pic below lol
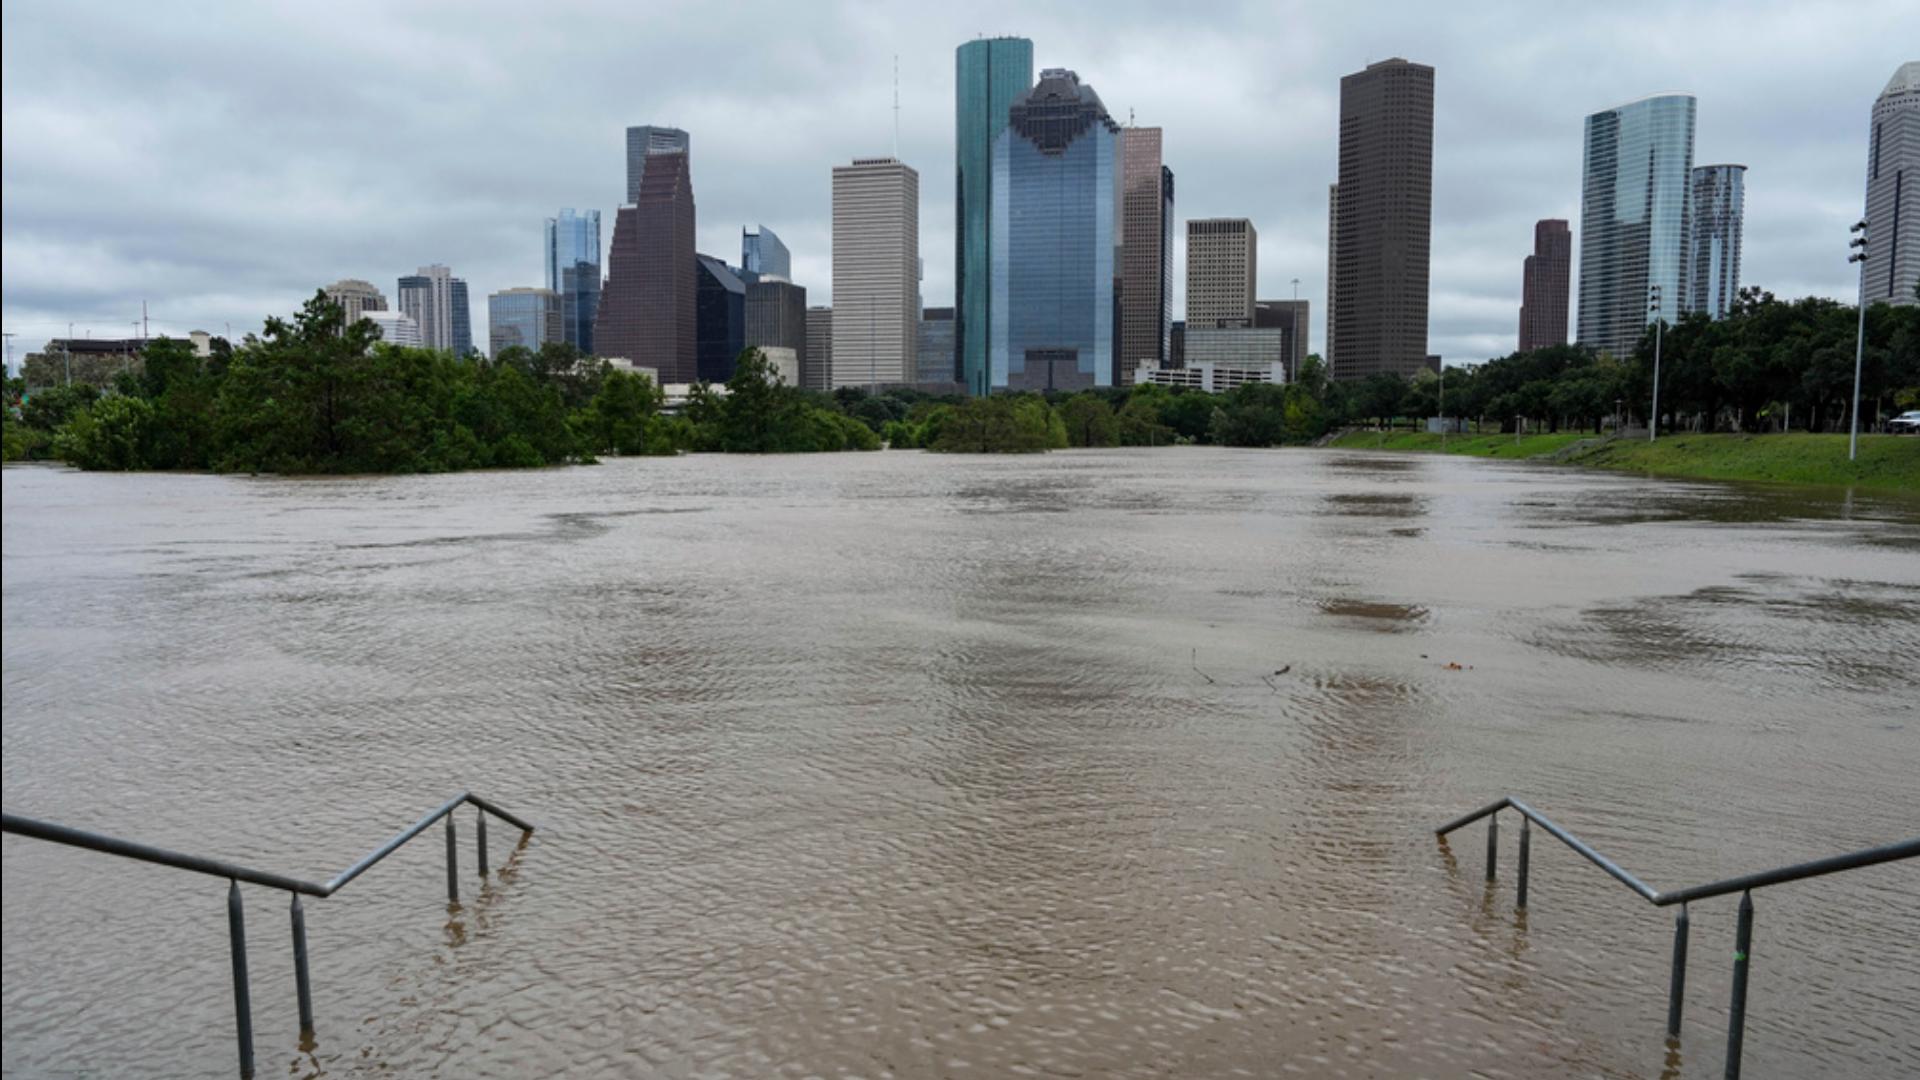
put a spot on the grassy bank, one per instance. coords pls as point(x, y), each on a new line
point(1887, 462)
point(1500, 446)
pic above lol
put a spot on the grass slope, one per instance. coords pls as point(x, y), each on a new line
point(1887, 462)
point(1500, 446)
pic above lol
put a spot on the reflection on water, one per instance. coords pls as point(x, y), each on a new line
point(1098, 763)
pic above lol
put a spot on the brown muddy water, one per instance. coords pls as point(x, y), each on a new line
point(874, 765)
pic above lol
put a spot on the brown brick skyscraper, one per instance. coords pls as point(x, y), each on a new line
point(1146, 251)
point(1384, 225)
point(1547, 281)
point(647, 309)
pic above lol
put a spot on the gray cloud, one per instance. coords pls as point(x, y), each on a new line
point(222, 161)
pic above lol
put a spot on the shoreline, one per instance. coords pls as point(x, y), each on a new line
point(1888, 463)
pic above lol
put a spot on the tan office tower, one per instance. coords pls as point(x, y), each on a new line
point(1146, 251)
point(1384, 221)
point(355, 297)
point(1333, 259)
point(876, 272)
point(1221, 269)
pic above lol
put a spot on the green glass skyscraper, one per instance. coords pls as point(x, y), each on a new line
point(989, 73)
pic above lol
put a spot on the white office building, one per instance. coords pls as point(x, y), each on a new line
point(876, 273)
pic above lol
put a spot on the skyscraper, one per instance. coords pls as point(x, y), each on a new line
point(437, 301)
point(355, 297)
point(989, 73)
point(1385, 220)
point(1222, 267)
point(1333, 261)
point(414, 296)
point(1893, 192)
point(935, 346)
point(1146, 250)
point(1545, 282)
point(816, 366)
point(876, 272)
point(1634, 220)
point(647, 307)
point(461, 318)
point(777, 318)
point(1056, 220)
point(763, 255)
point(528, 318)
point(1293, 318)
point(720, 319)
point(1713, 262)
point(573, 272)
point(643, 142)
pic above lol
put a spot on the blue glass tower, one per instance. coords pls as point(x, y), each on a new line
point(720, 319)
point(1635, 219)
point(989, 73)
point(1056, 199)
point(763, 255)
point(1719, 213)
point(573, 271)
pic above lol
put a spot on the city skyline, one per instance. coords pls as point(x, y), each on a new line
point(85, 244)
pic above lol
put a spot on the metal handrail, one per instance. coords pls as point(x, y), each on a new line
point(129, 849)
point(1744, 885)
point(235, 873)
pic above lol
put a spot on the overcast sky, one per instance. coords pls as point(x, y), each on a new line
point(222, 160)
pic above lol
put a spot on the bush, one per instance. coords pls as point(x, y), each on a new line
point(112, 434)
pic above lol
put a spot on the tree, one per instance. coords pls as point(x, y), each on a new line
point(623, 417)
point(759, 414)
point(284, 401)
point(1189, 413)
point(114, 433)
point(1251, 415)
point(1001, 424)
point(1088, 421)
point(1139, 423)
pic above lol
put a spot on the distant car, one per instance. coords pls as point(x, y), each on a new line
point(1907, 423)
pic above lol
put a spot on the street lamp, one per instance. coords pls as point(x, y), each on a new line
point(1860, 338)
point(1653, 306)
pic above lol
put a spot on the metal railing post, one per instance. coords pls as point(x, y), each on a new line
point(1677, 988)
point(1493, 842)
point(1526, 836)
point(1737, 1015)
point(480, 829)
point(302, 987)
point(453, 864)
point(242, 1004)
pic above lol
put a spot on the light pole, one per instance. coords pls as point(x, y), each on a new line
point(1653, 422)
point(1860, 338)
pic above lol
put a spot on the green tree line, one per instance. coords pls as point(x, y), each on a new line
point(312, 395)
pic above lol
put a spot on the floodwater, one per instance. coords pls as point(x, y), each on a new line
point(1093, 764)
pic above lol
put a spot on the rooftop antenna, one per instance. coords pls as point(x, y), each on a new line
point(896, 106)
point(1129, 116)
